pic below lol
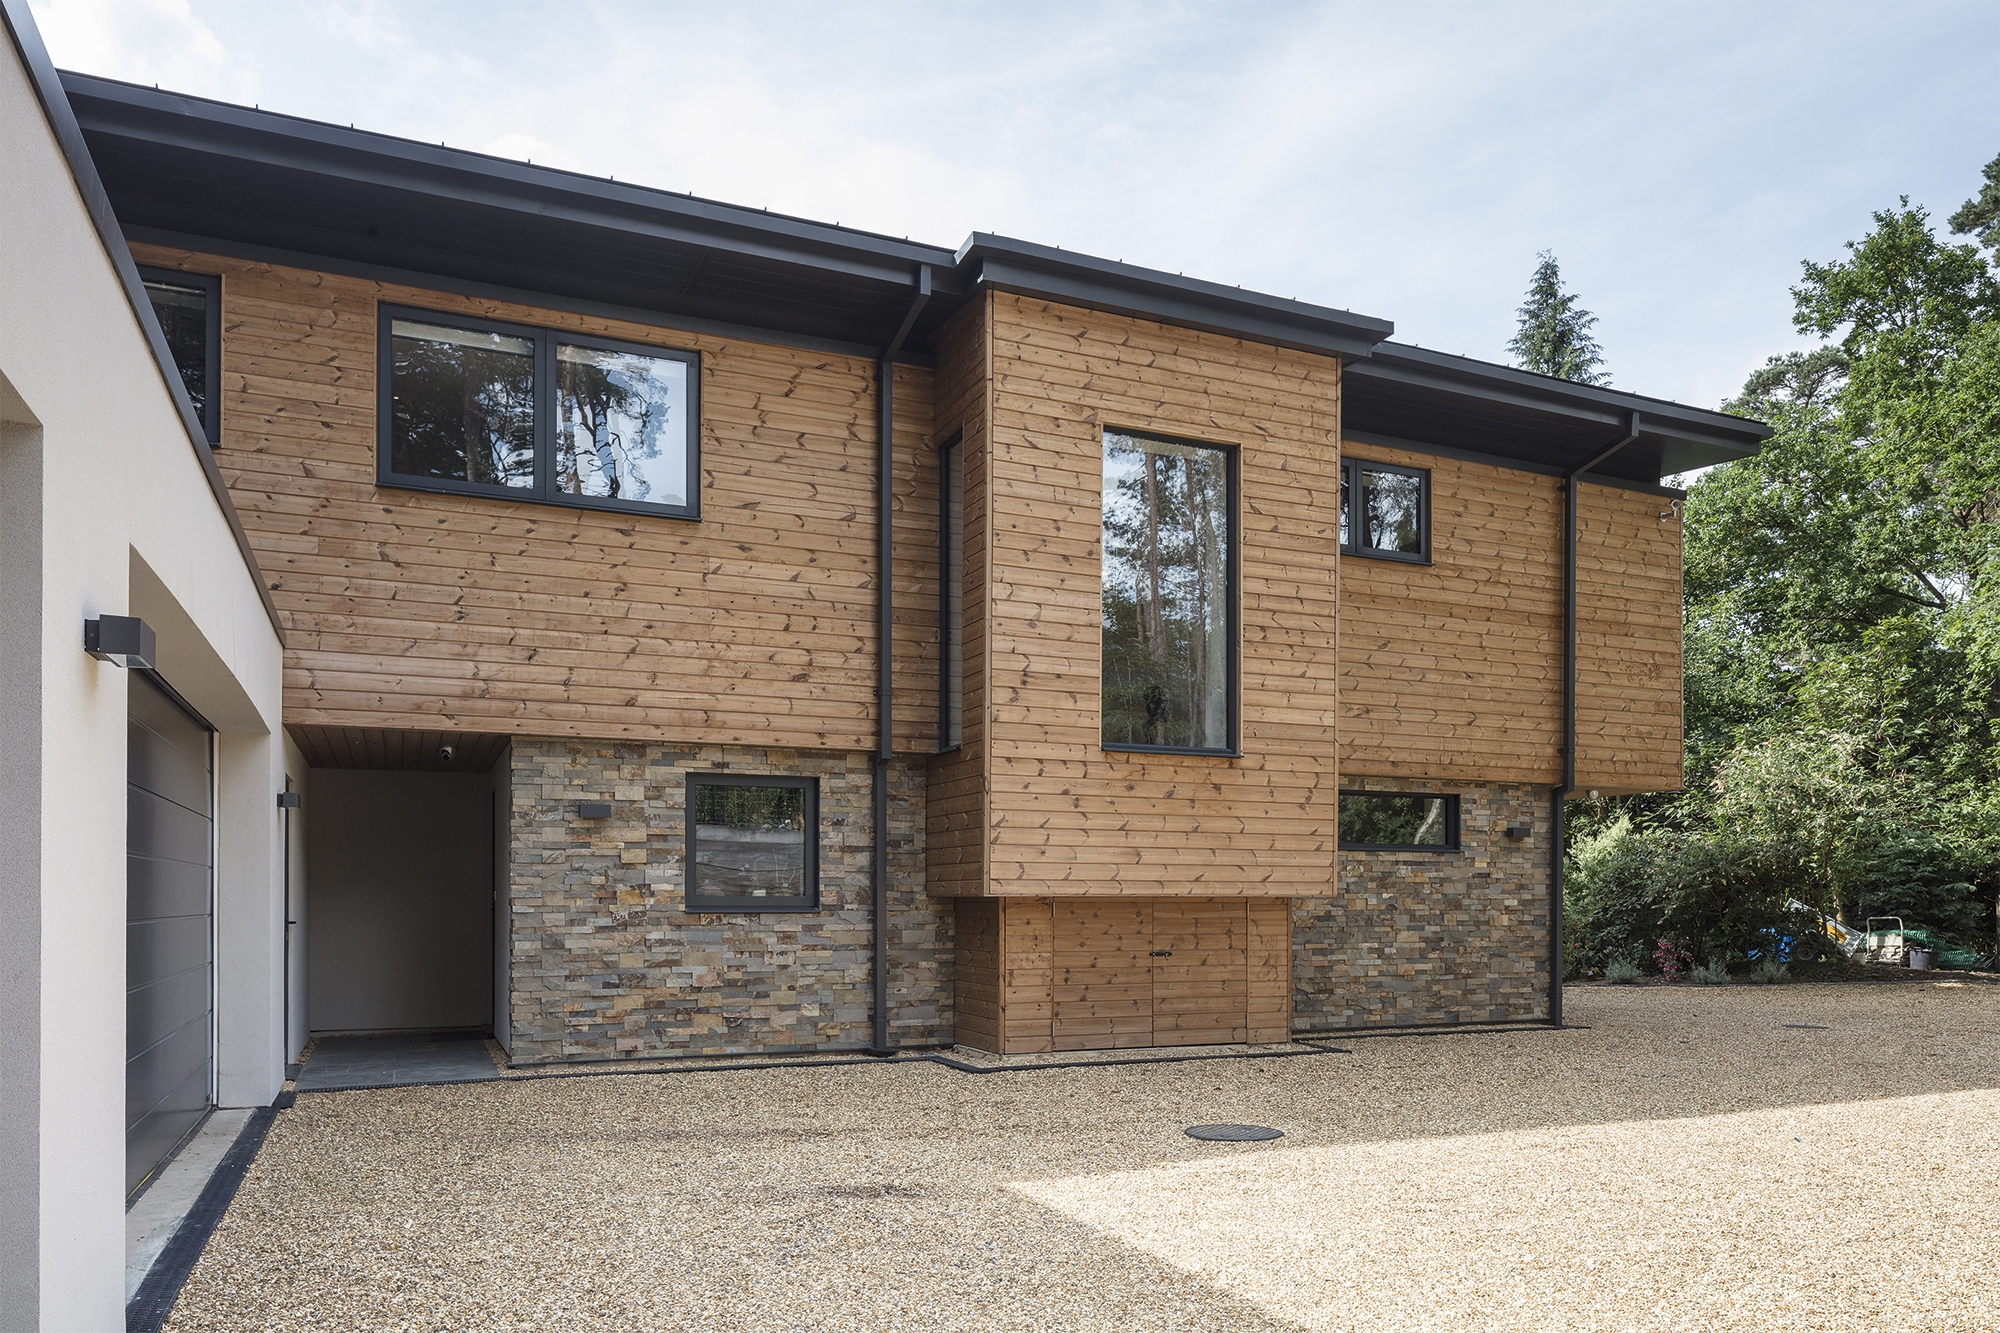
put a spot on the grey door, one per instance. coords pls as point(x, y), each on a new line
point(169, 1052)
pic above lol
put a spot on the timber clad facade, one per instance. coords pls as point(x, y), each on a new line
point(1035, 887)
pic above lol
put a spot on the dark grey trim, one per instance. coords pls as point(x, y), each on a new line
point(694, 902)
point(951, 628)
point(1231, 600)
point(150, 1305)
point(483, 291)
point(1350, 483)
point(546, 340)
point(210, 286)
point(1451, 843)
point(54, 98)
point(1495, 460)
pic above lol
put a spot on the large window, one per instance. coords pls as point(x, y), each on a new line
point(1385, 511)
point(1398, 822)
point(500, 409)
point(1169, 610)
point(189, 308)
point(752, 843)
point(951, 594)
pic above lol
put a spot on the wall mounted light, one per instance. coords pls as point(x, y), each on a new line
point(290, 800)
point(1515, 831)
point(125, 641)
point(593, 810)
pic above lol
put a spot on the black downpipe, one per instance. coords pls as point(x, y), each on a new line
point(1558, 820)
point(885, 615)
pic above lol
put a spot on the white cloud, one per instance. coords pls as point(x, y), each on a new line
point(146, 41)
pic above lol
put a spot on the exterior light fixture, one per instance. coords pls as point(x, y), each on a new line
point(125, 641)
point(593, 810)
point(290, 800)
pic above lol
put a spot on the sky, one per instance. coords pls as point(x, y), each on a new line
point(1406, 161)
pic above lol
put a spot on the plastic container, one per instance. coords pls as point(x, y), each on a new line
point(1921, 958)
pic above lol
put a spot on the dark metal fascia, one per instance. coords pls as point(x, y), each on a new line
point(83, 173)
point(1512, 386)
point(269, 138)
point(1498, 460)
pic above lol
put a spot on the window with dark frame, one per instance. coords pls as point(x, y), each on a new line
point(752, 843)
point(189, 308)
point(1385, 511)
point(951, 594)
point(1384, 821)
point(1169, 595)
point(485, 408)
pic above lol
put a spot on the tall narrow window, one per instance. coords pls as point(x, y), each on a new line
point(951, 594)
point(1169, 608)
point(1385, 510)
point(189, 308)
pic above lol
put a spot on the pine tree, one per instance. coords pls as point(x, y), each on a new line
point(1554, 338)
point(1980, 217)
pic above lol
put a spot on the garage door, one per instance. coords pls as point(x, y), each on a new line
point(169, 1048)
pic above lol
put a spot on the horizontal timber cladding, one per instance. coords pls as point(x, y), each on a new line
point(955, 842)
point(1628, 642)
point(1453, 671)
point(754, 625)
point(1073, 974)
point(1433, 937)
point(607, 962)
point(1065, 816)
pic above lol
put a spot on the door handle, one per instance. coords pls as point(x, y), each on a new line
point(1161, 953)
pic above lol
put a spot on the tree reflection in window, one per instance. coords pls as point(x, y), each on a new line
point(621, 432)
point(1167, 621)
point(1392, 514)
point(464, 405)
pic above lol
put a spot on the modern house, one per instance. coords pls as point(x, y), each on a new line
point(708, 632)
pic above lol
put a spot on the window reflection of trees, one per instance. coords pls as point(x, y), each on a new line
point(1393, 517)
point(1165, 591)
point(1392, 820)
point(464, 405)
point(614, 420)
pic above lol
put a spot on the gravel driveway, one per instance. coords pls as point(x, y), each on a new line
point(1689, 1162)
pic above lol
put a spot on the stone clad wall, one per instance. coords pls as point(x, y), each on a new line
point(606, 962)
point(1426, 937)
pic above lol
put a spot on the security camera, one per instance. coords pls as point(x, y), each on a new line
point(444, 754)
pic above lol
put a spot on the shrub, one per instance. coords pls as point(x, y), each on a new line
point(1714, 972)
point(1622, 972)
point(1671, 958)
point(1769, 971)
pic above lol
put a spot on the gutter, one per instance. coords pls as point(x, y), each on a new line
point(885, 675)
point(1558, 833)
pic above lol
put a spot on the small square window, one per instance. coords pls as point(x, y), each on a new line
point(189, 308)
point(1384, 821)
point(484, 408)
point(1385, 511)
point(752, 843)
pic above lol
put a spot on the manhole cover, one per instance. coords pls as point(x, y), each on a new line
point(1234, 1133)
point(1810, 1027)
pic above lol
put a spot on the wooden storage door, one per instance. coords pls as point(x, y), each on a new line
point(1102, 981)
point(1201, 971)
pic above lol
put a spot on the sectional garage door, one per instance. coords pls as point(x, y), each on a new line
point(169, 906)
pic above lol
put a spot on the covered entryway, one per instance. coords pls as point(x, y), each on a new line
point(169, 926)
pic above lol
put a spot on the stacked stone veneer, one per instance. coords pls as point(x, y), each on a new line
point(607, 963)
point(1427, 937)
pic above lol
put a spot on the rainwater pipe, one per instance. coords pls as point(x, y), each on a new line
point(1557, 830)
point(885, 700)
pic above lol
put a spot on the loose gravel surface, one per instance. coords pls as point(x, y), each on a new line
point(1688, 1162)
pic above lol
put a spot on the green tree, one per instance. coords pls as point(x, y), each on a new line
point(1980, 216)
point(1554, 334)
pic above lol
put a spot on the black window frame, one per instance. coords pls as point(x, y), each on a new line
point(1451, 844)
point(807, 902)
point(1231, 578)
point(951, 617)
point(1350, 484)
point(545, 341)
point(210, 285)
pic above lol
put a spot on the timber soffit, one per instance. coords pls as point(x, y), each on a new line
point(257, 184)
point(51, 92)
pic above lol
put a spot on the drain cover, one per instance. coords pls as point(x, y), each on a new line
point(1234, 1133)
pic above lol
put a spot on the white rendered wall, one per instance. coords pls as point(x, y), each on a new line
point(401, 899)
point(126, 525)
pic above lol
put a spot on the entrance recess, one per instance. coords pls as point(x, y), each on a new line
point(169, 927)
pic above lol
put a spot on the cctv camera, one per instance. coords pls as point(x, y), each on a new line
point(444, 754)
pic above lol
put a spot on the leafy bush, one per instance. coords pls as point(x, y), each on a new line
point(1671, 958)
point(1918, 877)
point(1622, 972)
point(1769, 971)
point(1714, 972)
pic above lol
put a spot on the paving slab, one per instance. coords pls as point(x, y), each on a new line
point(397, 1059)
